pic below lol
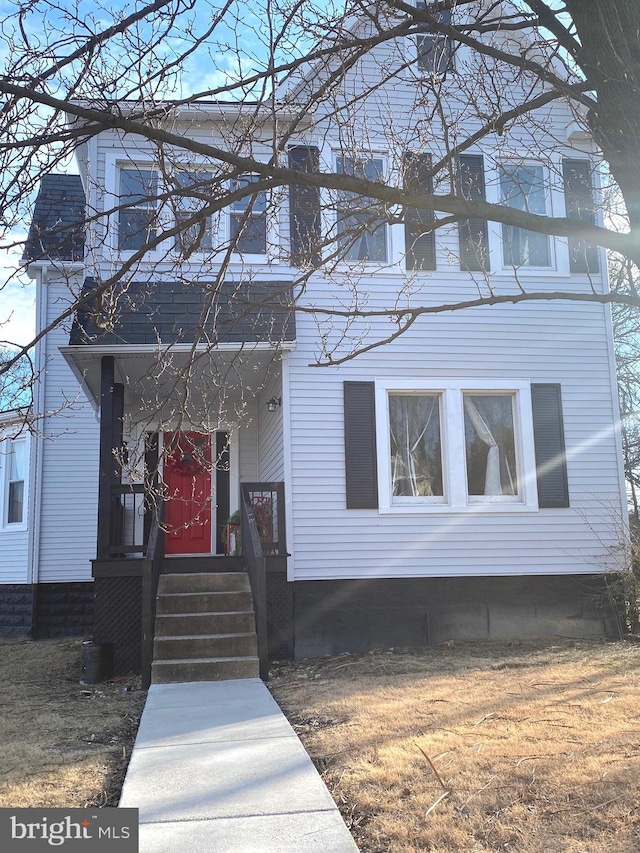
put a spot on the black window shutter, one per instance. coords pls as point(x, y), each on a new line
point(548, 434)
point(360, 445)
point(474, 238)
point(578, 197)
point(420, 246)
point(304, 208)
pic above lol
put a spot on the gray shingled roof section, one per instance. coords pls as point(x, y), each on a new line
point(170, 312)
point(57, 228)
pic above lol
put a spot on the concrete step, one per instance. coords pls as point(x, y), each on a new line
point(196, 563)
point(204, 602)
point(204, 669)
point(207, 646)
point(203, 582)
point(185, 624)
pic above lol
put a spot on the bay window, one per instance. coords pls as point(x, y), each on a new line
point(196, 236)
point(138, 189)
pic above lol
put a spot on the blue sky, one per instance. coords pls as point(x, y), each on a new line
point(215, 63)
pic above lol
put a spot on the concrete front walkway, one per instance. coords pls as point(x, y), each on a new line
point(216, 768)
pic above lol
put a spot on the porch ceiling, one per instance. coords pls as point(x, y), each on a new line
point(164, 377)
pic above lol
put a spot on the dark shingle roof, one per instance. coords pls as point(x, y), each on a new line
point(170, 312)
point(57, 229)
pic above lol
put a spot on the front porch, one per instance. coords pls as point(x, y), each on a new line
point(146, 469)
point(188, 612)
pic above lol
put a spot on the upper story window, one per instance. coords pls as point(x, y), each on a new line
point(248, 218)
point(196, 236)
point(580, 204)
point(434, 50)
point(16, 466)
point(362, 236)
point(138, 187)
point(522, 186)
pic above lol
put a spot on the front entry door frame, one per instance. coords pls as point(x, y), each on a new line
point(232, 483)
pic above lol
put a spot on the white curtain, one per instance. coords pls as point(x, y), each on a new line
point(410, 417)
point(492, 480)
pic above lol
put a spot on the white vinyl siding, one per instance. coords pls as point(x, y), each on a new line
point(270, 431)
point(69, 448)
point(14, 541)
point(567, 345)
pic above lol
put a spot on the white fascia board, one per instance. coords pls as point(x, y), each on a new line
point(46, 266)
point(134, 349)
point(202, 110)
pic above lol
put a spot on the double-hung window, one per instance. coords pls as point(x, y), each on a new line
point(362, 235)
point(248, 217)
point(415, 446)
point(137, 192)
point(491, 447)
point(196, 235)
point(580, 205)
point(456, 445)
point(434, 50)
point(523, 187)
point(16, 470)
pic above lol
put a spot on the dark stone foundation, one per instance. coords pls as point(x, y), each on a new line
point(357, 616)
point(16, 609)
point(63, 610)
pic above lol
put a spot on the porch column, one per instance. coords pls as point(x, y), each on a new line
point(111, 412)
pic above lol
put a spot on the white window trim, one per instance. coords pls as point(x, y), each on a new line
point(273, 247)
point(5, 472)
point(453, 449)
point(423, 72)
point(113, 164)
point(394, 234)
point(166, 249)
point(554, 199)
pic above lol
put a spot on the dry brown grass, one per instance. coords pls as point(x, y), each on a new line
point(532, 748)
point(64, 744)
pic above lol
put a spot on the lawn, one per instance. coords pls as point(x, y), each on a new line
point(532, 747)
point(467, 748)
point(64, 744)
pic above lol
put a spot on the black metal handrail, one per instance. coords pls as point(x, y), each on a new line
point(152, 567)
point(254, 559)
point(267, 501)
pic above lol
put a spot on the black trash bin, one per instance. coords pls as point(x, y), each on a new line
point(97, 662)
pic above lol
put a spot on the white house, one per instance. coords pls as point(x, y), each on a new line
point(462, 480)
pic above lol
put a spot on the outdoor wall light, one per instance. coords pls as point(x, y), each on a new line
point(273, 403)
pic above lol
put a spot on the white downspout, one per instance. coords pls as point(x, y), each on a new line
point(37, 446)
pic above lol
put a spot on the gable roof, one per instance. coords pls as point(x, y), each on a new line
point(57, 228)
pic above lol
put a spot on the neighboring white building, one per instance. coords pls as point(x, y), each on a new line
point(15, 517)
point(461, 481)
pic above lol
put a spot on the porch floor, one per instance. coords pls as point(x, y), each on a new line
point(216, 766)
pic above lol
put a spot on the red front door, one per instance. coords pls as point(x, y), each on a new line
point(187, 478)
